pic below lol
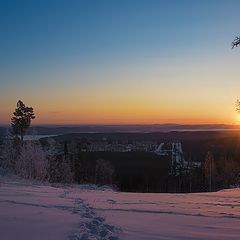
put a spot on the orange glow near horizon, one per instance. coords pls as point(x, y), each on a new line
point(156, 63)
point(114, 97)
point(115, 113)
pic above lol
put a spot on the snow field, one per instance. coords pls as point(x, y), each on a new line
point(29, 211)
point(85, 212)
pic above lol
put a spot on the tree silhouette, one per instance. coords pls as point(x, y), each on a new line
point(22, 119)
point(238, 106)
point(210, 170)
point(236, 42)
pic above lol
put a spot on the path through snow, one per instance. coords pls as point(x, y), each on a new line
point(30, 211)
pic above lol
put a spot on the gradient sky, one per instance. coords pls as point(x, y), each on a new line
point(123, 62)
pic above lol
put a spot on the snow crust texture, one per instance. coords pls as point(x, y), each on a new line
point(92, 226)
point(32, 211)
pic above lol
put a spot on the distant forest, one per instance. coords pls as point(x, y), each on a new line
point(65, 160)
point(148, 172)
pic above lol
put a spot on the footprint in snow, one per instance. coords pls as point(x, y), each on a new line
point(93, 227)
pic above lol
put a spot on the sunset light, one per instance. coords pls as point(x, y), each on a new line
point(119, 120)
point(155, 63)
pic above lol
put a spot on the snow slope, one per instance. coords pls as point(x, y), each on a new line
point(30, 211)
point(172, 216)
point(36, 212)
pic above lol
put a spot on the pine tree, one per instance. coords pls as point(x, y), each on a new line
point(22, 119)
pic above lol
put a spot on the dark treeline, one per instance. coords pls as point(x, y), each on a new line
point(144, 172)
point(66, 161)
point(149, 172)
point(132, 172)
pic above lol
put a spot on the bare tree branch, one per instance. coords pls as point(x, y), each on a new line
point(238, 105)
point(236, 42)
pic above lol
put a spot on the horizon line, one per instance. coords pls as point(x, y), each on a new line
point(128, 124)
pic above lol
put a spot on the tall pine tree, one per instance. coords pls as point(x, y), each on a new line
point(22, 119)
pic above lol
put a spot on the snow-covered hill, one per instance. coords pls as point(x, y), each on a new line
point(37, 212)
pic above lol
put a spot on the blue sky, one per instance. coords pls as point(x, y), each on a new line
point(38, 33)
point(96, 44)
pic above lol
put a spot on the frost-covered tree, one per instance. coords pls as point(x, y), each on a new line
point(236, 42)
point(9, 155)
point(238, 106)
point(60, 169)
point(9, 152)
point(32, 162)
point(21, 119)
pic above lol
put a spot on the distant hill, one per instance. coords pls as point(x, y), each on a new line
point(66, 129)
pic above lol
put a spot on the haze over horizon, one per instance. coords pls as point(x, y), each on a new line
point(120, 62)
